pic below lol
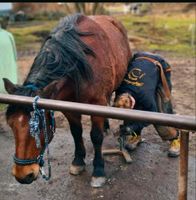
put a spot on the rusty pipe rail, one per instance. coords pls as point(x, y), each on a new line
point(183, 163)
point(177, 121)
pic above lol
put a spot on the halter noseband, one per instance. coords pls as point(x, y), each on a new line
point(34, 123)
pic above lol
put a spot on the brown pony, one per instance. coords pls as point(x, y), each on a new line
point(84, 59)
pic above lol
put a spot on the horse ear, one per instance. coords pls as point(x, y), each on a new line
point(9, 86)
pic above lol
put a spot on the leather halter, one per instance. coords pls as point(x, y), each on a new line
point(47, 137)
point(39, 160)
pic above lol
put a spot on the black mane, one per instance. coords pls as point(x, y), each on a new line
point(63, 54)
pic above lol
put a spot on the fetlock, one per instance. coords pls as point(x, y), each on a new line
point(78, 161)
point(98, 172)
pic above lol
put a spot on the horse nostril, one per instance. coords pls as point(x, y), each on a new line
point(30, 176)
point(27, 180)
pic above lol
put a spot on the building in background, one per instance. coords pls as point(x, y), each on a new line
point(5, 13)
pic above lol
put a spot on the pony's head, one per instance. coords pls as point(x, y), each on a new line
point(26, 156)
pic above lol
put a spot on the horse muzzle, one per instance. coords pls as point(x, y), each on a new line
point(27, 180)
point(25, 174)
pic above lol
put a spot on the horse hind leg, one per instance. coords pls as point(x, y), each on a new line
point(98, 176)
point(78, 164)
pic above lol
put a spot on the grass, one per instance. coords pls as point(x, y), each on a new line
point(165, 33)
point(24, 36)
point(3, 107)
point(156, 32)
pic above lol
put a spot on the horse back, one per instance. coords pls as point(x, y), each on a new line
point(110, 43)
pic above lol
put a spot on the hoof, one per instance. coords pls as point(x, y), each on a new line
point(173, 154)
point(76, 170)
point(97, 181)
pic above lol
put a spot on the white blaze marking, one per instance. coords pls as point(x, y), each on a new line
point(20, 119)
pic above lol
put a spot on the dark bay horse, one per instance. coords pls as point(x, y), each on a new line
point(84, 59)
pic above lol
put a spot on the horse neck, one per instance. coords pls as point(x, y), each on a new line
point(65, 90)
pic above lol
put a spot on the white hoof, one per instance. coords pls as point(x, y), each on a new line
point(76, 170)
point(98, 181)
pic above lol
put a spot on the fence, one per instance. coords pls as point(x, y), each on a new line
point(177, 121)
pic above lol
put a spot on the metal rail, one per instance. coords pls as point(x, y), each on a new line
point(183, 162)
point(177, 121)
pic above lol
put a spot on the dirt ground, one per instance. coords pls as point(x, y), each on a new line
point(151, 176)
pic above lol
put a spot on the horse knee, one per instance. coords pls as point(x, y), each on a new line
point(78, 161)
point(97, 129)
point(96, 136)
point(76, 130)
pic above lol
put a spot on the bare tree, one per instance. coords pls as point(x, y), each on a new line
point(26, 7)
point(85, 8)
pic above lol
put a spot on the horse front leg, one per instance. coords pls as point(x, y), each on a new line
point(98, 176)
point(78, 164)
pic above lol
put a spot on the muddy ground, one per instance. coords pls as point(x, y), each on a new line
point(151, 176)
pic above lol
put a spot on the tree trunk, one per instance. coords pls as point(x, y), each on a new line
point(84, 8)
point(67, 8)
point(95, 8)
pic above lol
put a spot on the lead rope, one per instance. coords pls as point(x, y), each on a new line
point(46, 177)
point(35, 132)
point(34, 123)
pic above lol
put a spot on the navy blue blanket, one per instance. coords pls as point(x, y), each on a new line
point(142, 81)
